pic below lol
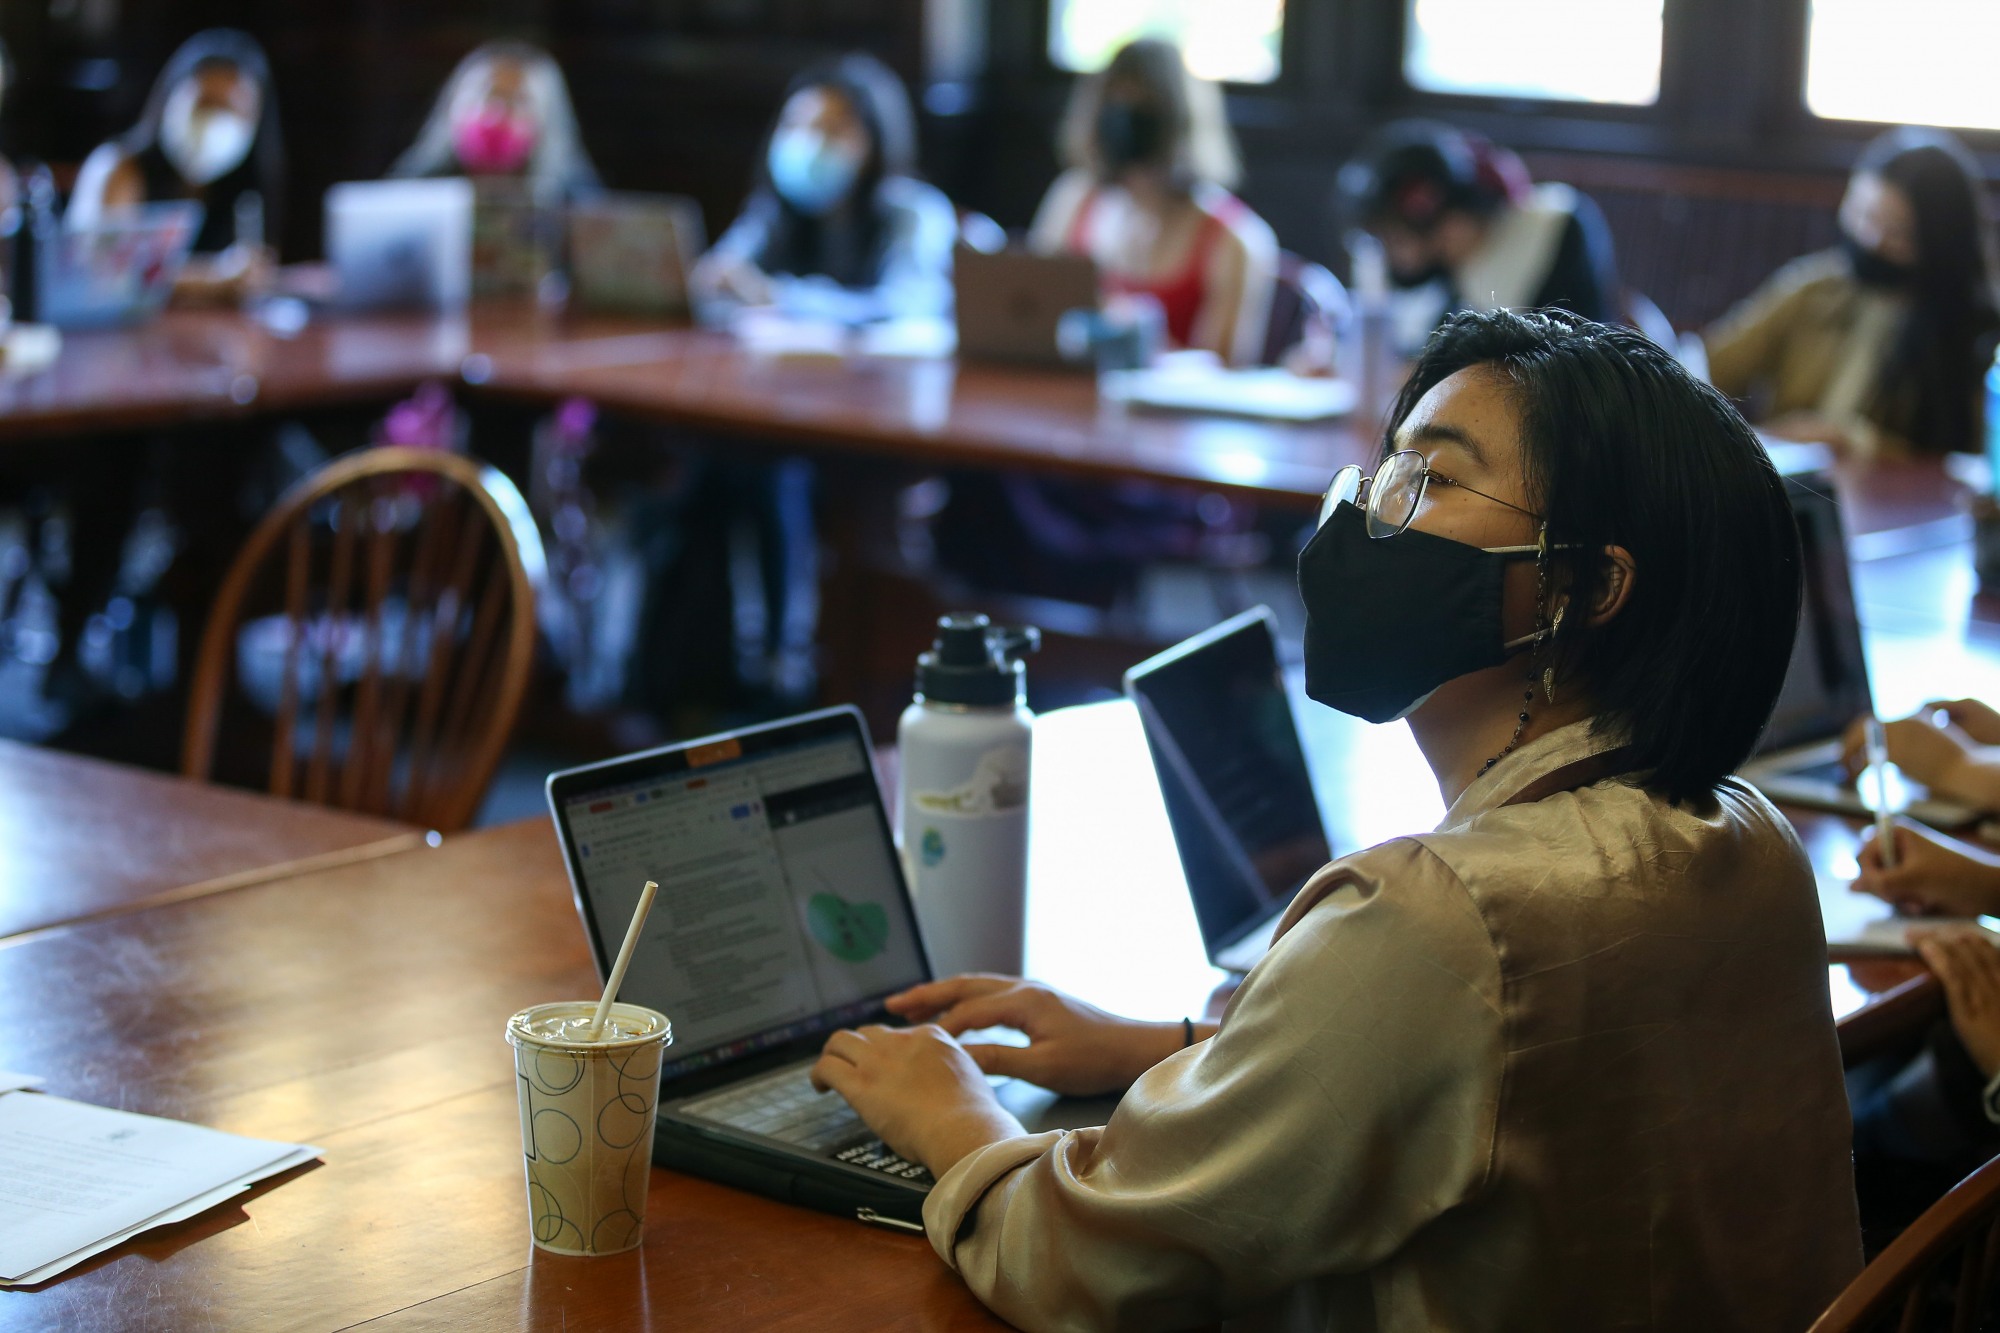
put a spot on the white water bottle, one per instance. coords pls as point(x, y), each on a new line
point(963, 758)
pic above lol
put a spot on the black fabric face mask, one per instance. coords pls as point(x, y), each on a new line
point(1871, 270)
point(1128, 135)
point(1389, 620)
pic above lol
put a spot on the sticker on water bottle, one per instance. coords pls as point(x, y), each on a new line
point(998, 786)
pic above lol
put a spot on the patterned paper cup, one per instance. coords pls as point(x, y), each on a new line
point(587, 1122)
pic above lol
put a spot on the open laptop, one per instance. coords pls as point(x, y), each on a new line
point(1239, 796)
point(1826, 687)
point(631, 253)
point(1009, 303)
point(782, 916)
point(119, 270)
point(401, 243)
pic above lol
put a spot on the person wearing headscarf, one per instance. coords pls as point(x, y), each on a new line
point(838, 219)
point(1878, 346)
point(1462, 227)
point(1150, 159)
point(209, 132)
point(505, 111)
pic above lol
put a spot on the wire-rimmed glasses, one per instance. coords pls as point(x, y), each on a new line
point(1389, 500)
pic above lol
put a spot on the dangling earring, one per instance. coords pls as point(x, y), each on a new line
point(1538, 637)
point(1549, 671)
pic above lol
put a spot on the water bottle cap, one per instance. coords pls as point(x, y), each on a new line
point(976, 663)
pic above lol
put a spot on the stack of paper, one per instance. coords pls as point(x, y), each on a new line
point(77, 1179)
point(1188, 385)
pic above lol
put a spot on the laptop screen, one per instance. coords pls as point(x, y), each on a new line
point(781, 911)
point(1826, 686)
point(1239, 796)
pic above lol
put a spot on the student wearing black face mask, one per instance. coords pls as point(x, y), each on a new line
point(1146, 195)
point(1566, 1062)
point(1877, 346)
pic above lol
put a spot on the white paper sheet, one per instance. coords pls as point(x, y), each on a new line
point(1266, 393)
point(76, 1179)
point(201, 1203)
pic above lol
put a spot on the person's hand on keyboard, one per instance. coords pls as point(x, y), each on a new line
point(1073, 1048)
point(918, 1089)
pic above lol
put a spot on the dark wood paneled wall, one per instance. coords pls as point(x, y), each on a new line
point(1725, 179)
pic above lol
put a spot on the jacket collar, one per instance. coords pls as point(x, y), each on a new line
point(1526, 766)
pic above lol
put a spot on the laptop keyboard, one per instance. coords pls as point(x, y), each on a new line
point(786, 1107)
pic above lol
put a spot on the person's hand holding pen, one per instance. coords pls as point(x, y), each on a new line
point(1931, 874)
point(1943, 745)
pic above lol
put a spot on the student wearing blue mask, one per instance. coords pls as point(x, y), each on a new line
point(838, 220)
point(1566, 1062)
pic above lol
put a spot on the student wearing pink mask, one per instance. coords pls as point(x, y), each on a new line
point(209, 133)
point(505, 111)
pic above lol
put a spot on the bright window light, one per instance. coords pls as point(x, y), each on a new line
point(1916, 62)
point(1558, 50)
point(1225, 41)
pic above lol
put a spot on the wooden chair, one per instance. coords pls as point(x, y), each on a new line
point(1894, 1021)
point(398, 587)
point(1903, 1289)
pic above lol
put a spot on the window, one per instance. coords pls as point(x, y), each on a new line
point(1918, 62)
point(1227, 41)
point(1561, 50)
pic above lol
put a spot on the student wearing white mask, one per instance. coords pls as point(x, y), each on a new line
point(838, 218)
point(209, 133)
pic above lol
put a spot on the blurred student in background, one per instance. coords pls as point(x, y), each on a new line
point(505, 111)
point(838, 221)
point(1462, 227)
point(1878, 346)
point(10, 197)
point(209, 133)
point(1150, 161)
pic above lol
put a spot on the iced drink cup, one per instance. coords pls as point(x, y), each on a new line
point(587, 1121)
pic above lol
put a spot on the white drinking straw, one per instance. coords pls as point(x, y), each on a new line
point(617, 977)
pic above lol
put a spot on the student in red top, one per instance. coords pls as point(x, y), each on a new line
point(1150, 159)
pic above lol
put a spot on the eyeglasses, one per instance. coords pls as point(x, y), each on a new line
point(1390, 499)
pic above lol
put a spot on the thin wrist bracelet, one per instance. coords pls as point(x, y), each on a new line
point(1187, 1033)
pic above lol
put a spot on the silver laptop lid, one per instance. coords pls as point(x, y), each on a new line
point(782, 911)
point(1826, 686)
point(1238, 793)
point(401, 243)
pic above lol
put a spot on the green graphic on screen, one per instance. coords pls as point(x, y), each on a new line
point(853, 932)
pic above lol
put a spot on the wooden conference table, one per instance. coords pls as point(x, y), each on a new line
point(80, 838)
point(199, 366)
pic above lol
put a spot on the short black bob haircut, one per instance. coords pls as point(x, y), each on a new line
point(1624, 448)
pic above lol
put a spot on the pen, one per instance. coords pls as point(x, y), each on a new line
point(1878, 763)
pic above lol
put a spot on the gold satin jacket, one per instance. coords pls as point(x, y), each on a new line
point(1566, 1064)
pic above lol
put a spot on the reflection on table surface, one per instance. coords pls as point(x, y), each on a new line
point(192, 365)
